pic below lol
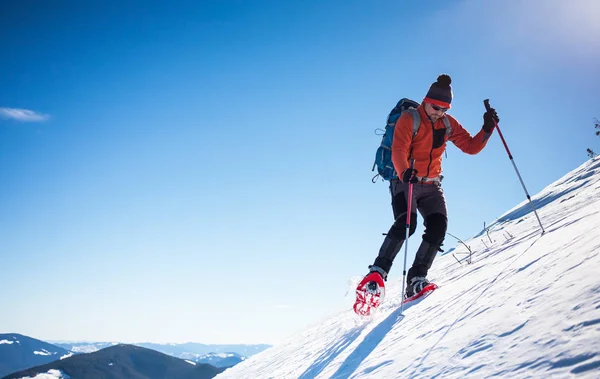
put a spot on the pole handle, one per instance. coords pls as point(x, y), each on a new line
point(486, 102)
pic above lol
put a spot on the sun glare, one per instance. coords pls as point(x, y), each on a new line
point(567, 27)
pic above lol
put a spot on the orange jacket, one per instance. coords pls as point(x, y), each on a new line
point(429, 144)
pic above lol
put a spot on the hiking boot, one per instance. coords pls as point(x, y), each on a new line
point(382, 272)
point(416, 285)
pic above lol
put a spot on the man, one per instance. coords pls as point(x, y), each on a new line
point(426, 149)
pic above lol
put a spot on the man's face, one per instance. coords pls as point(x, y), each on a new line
point(434, 111)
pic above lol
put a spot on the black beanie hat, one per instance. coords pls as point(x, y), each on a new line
point(440, 92)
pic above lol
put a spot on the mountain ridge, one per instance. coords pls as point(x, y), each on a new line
point(18, 352)
point(123, 362)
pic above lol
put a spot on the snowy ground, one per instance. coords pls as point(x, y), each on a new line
point(51, 374)
point(527, 307)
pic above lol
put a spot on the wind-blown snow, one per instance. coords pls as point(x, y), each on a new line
point(527, 306)
point(51, 374)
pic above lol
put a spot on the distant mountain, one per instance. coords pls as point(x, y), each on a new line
point(216, 355)
point(123, 362)
point(19, 352)
point(84, 347)
point(180, 349)
point(220, 359)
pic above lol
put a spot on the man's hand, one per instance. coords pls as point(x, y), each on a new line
point(409, 176)
point(488, 120)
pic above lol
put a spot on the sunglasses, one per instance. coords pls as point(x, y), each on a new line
point(436, 108)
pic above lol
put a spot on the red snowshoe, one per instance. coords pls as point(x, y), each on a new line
point(369, 294)
point(426, 291)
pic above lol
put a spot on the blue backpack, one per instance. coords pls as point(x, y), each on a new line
point(383, 156)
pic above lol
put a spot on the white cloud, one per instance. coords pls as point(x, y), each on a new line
point(24, 115)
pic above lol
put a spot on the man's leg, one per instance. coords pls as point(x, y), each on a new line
point(397, 234)
point(432, 206)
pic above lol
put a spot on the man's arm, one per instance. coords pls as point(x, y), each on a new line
point(401, 143)
point(463, 140)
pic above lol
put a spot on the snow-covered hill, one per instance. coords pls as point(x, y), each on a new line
point(18, 352)
point(527, 306)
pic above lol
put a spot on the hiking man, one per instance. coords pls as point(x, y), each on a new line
point(426, 149)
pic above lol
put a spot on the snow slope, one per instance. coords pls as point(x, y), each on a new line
point(527, 307)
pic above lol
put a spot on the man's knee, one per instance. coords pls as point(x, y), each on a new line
point(398, 230)
point(435, 231)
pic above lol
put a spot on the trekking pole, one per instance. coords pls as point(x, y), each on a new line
point(408, 210)
point(486, 102)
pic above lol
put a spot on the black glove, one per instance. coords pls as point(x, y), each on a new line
point(409, 176)
point(488, 120)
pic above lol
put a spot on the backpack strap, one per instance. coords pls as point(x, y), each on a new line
point(448, 126)
point(416, 120)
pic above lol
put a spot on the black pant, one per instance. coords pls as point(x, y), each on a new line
point(429, 200)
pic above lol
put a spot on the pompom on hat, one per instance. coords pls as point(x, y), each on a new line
point(440, 92)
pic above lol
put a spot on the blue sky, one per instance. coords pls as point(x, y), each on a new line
point(200, 171)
